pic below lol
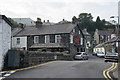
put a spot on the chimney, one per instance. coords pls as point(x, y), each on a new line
point(48, 21)
point(20, 25)
point(74, 20)
point(44, 21)
point(38, 23)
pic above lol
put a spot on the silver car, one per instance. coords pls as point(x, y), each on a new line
point(100, 54)
point(111, 57)
point(81, 55)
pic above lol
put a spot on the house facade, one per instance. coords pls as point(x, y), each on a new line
point(5, 37)
point(54, 38)
point(87, 37)
point(101, 36)
point(99, 48)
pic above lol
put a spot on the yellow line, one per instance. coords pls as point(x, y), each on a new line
point(27, 67)
point(111, 70)
point(106, 70)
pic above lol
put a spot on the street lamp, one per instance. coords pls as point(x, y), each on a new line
point(118, 22)
point(118, 28)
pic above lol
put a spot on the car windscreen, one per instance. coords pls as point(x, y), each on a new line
point(111, 54)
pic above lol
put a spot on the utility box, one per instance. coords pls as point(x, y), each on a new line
point(13, 58)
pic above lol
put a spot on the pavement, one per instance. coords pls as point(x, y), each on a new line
point(92, 68)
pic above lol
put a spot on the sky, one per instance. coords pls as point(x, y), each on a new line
point(56, 10)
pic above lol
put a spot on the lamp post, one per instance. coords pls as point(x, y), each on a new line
point(118, 29)
point(118, 22)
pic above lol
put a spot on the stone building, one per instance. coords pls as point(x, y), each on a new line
point(101, 36)
point(54, 38)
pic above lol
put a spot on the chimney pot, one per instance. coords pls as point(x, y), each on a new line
point(20, 25)
point(38, 23)
point(74, 20)
point(47, 20)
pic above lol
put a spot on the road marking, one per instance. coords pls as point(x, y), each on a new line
point(27, 67)
point(106, 70)
point(1, 78)
point(111, 70)
point(107, 76)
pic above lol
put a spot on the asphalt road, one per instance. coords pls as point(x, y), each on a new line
point(91, 68)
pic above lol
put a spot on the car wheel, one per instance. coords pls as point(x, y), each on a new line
point(105, 61)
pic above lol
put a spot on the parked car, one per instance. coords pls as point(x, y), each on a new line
point(100, 54)
point(94, 53)
point(111, 57)
point(81, 55)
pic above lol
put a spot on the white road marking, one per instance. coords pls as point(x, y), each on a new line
point(2, 78)
point(12, 72)
point(7, 75)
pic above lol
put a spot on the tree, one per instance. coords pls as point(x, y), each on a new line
point(99, 24)
point(15, 24)
point(85, 21)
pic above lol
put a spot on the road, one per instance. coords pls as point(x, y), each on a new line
point(92, 68)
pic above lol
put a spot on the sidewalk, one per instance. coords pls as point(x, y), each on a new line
point(116, 73)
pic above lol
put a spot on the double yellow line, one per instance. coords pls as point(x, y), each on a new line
point(27, 67)
point(107, 71)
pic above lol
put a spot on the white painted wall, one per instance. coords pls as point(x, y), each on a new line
point(23, 42)
point(5, 39)
point(100, 49)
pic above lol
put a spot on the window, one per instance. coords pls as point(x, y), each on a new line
point(47, 39)
point(18, 41)
point(81, 41)
point(57, 39)
point(73, 30)
point(79, 31)
point(71, 38)
point(36, 39)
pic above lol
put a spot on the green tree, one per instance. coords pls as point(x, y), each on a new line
point(15, 24)
point(99, 24)
point(85, 21)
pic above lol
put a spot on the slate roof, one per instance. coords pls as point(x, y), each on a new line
point(106, 32)
point(16, 31)
point(85, 32)
point(100, 45)
point(26, 21)
point(51, 29)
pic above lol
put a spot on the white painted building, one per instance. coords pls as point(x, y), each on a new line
point(19, 42)
point(99, 48)
point(5, 37)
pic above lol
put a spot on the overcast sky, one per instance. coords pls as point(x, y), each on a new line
point(56, 10)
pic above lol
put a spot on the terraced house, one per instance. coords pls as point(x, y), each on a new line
point(54, 38)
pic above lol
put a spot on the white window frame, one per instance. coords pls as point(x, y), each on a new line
point(17, 41)
point(79, 32)
point(36, 39)
point(73, 30)
point(71, 38)
point(57, 38)
point(47, 39)
point(81, 41)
